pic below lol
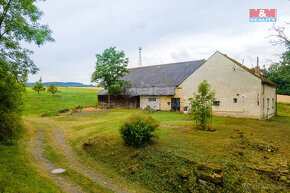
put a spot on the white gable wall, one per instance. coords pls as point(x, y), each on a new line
point(267, 101)
point(230, 81)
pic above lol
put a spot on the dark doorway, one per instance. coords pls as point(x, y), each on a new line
point(175, 104)
point(138, 102)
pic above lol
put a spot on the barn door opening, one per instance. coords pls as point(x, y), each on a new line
point(175, 104)
point(138, 102)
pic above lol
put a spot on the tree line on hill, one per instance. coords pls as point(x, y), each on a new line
point(72, 84)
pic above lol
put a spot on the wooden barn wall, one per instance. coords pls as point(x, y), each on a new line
point(120, 101)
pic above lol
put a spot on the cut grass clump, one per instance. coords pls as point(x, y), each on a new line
point(63, 110)
point(260, 146)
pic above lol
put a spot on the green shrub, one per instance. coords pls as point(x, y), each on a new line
point(201, 105)
point(10, 125)
point(10, 105)
point(148, 110)
point(138, 130)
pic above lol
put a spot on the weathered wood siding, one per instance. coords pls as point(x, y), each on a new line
point(120, 101)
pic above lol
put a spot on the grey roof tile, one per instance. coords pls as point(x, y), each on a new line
point(158, 79)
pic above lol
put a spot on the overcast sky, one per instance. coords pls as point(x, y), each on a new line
point(168, 30)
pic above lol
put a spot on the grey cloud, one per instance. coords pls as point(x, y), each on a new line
point(84, 28)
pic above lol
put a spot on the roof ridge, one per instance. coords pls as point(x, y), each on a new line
point(167, 64)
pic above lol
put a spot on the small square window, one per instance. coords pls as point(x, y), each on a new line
point(216, 103)
point(235, 100)
point(152, 99)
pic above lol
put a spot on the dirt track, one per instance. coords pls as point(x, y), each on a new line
point(74, 162)
point(44, 164)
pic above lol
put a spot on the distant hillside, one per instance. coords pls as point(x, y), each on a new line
point(60, 84)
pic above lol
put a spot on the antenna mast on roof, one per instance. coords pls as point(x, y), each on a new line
point(140, 56)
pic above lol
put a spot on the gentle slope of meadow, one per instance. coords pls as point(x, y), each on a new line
point(246, 150)
point(17, 170)
point(67, 98)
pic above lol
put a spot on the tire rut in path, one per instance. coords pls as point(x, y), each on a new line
point(82, 168)
point(43, 163)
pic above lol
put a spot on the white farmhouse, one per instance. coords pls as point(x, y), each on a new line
point(240, 92)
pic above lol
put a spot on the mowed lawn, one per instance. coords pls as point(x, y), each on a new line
point(245, 149)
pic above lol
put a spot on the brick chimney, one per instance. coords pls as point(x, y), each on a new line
point(257, 68)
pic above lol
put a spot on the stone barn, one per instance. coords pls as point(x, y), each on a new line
point(240, 92)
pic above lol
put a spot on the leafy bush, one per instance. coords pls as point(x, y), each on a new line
point(138, 130)
point(148, 110)
point(10, 125)
point(10, 105)
point(201, 105)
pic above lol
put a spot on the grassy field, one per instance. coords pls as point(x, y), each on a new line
point(252, 154)
point(67, 98)
point(240, 147)
point(18, 172)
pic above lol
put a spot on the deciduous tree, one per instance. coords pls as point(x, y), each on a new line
point(201, 105)
point(38, 86)
point(110, 68)
point(19, 23)
point(279, 72)
point(52, 88)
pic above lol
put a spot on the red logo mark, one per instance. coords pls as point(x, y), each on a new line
point(261, 13)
